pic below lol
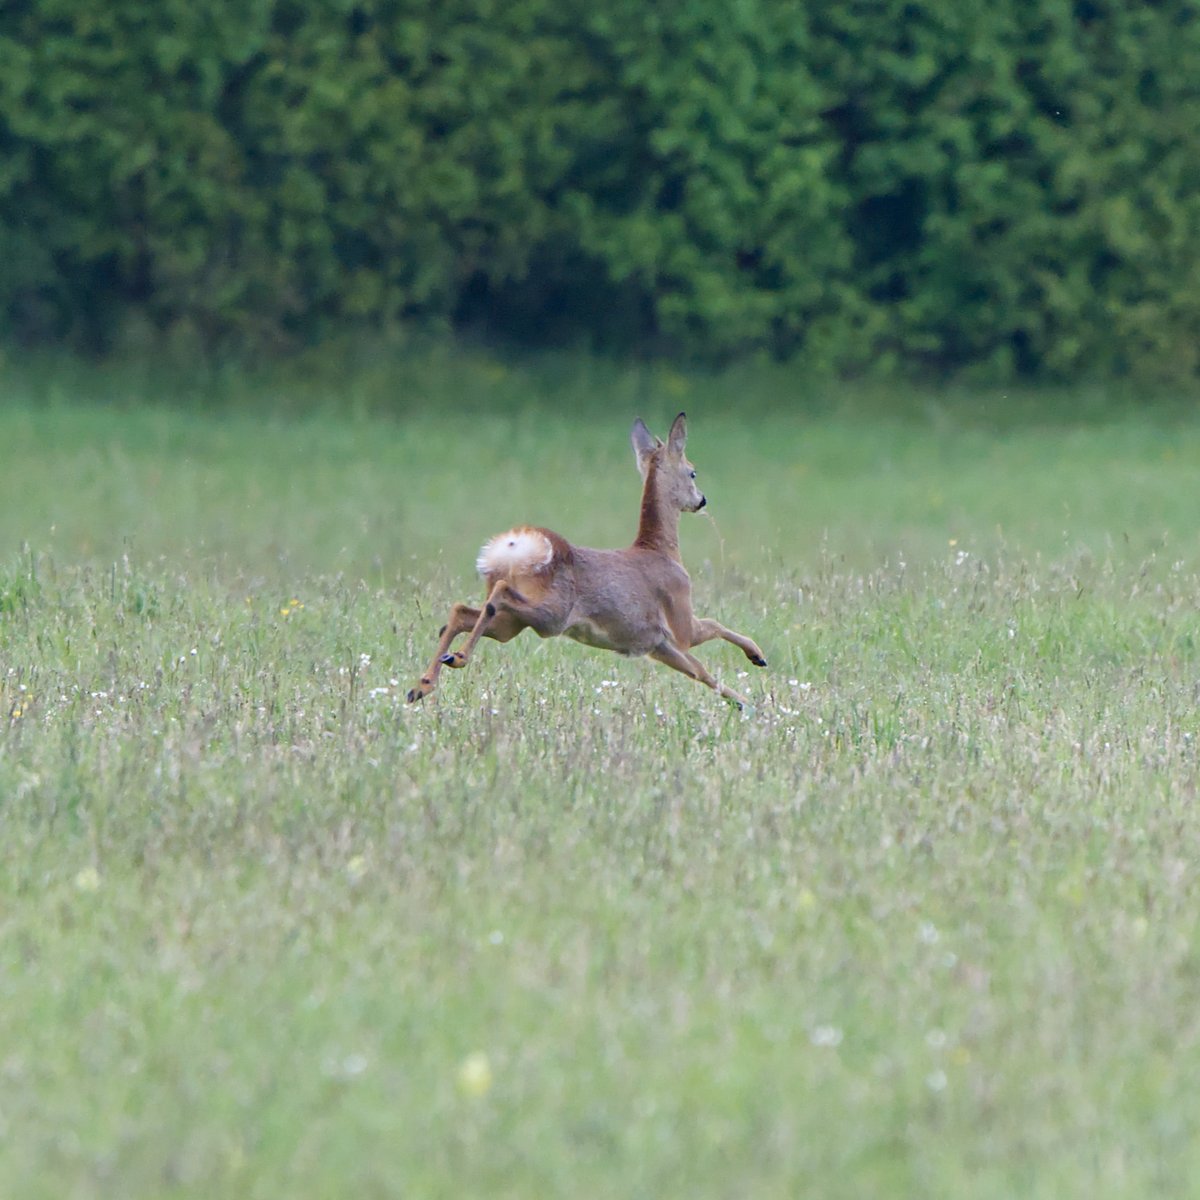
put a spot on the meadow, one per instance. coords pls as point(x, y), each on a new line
point(924, 922)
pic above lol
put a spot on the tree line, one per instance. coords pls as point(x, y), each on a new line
point(1006, 188)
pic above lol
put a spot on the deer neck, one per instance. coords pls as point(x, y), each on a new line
point(658, 527)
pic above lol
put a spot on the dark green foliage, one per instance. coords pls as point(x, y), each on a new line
point(1008, 187)
point(1025, 197)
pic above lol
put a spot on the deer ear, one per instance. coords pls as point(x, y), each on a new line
point(644, 442)
point(677, 438)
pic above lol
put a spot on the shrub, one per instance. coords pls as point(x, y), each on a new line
point(874, 185)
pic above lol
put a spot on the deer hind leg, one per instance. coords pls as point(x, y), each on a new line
point(704, 629)
point(671, 655)
point(507, 609)
point(463, 618)
point(489, 621)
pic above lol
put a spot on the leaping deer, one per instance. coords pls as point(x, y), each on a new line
point(635, 601)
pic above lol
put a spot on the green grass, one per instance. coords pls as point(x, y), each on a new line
point(925, 924)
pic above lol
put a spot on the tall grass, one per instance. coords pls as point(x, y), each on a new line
point(924, 923)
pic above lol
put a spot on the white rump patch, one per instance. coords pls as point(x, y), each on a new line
point(517, 552)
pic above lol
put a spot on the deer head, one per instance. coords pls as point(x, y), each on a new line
point(674, 477)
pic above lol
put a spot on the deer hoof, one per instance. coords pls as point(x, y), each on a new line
point(758, 660)
point(420, 691)
point(455, 659)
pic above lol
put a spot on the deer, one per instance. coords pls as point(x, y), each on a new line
point(636, 602)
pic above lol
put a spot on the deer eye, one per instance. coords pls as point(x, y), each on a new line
point(692, 474)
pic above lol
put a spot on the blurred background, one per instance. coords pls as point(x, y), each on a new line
point(923, 274)
point(986, 191)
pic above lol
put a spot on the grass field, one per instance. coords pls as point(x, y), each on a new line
point(925, 923)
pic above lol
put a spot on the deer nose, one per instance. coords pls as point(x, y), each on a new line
point(703, 502)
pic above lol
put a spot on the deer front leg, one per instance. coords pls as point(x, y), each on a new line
point(672, 656)
point(704, 629)
point(462, 617)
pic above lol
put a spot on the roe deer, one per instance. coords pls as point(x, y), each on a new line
point(636, 601)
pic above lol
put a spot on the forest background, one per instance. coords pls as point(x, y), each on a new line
point(892, 188)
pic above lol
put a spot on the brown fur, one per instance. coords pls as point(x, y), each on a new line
point(636, 601)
